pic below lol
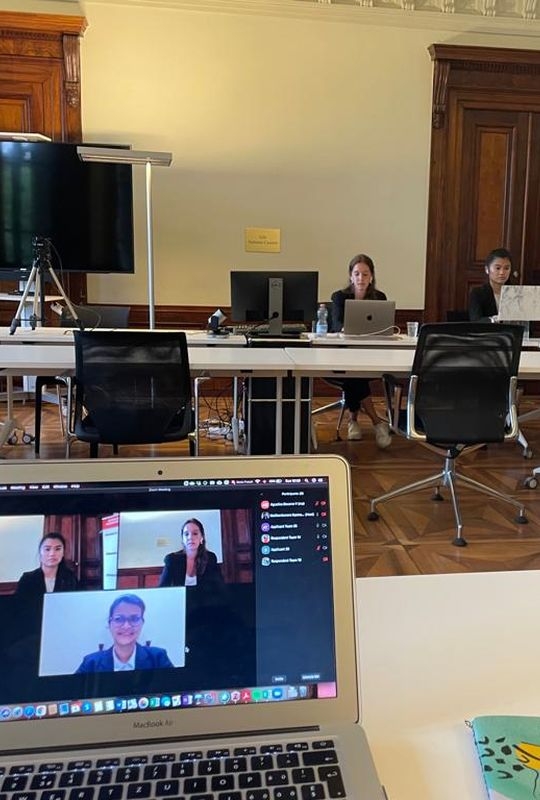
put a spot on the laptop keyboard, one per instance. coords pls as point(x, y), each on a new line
point(302, 770)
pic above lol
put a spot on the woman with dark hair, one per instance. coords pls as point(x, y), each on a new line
point(193, 565)
point(126, 620)
point(357, 391)
point(484, 299)
point(53, 574)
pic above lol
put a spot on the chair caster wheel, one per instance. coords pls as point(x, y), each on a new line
point(521, 519)
point(437, 497)
point(372, 516)
point(459, 541)
point(530, 483)
point(13, 439)
point(527, 452)
point(27, 438)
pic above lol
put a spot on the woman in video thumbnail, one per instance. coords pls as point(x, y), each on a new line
point(53, 574)
point(194, 565)
point(126, 620)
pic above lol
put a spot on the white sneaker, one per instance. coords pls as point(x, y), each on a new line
point(382, 435)
point(354, 431)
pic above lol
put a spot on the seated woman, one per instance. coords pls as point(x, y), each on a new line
point(193, 565)
point(357, 392)
point(52, 575)
point(126, 619)
point(484, 299)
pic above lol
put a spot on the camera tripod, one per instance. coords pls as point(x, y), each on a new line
point(41, 267)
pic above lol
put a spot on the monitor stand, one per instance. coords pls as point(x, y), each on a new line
point(275, 306)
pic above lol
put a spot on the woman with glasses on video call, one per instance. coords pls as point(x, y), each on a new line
point(126, 620)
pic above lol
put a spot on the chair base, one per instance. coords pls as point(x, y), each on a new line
point(449, 477)
point(330, 407)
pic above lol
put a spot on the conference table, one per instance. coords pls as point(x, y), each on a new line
point(18, 357)
point(237, 362)
point(64, 336)
point(435, 651)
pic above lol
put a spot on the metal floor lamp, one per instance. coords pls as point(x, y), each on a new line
point(113, 155)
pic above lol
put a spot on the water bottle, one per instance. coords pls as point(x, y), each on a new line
point(321, 327)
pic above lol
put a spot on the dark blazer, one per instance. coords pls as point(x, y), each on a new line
point(145, 658)
point(482, 303)
point(174, 571)
point(32, 584)
point(338, 306)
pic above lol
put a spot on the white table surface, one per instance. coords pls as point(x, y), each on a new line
point(369, 362)
point(340, 340)
point(16, 298)
point(436, 650)
point(372, 362)
point(365, 362)
point(44, 359)
point(57, 335)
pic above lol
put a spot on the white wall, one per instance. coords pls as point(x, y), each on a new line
point(19, 540)
point(319, 128)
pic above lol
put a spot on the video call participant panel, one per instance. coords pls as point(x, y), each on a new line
point(223, 644)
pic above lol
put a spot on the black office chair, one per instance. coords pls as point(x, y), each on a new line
point(96, 316)
point(462, 315)
point(130, 387)
point(91, 316)
point(461, 395)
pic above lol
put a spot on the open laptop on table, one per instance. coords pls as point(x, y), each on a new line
point(369, 318)
point(520, 305)
point(242, 686)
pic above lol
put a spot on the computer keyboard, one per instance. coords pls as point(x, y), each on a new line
point(293, 770)
point(289, 331)
point(266, 335)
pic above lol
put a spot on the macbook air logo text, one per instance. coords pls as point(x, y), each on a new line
point(158, 723)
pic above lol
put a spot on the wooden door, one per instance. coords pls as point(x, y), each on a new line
point(40, 93)
point(485, 170)
point(489, 185)
point(531, 229)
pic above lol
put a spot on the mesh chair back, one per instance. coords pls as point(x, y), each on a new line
point(132, 387)
point(464, 375)
point(95, 316)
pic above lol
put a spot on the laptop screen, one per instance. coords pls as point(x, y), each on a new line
point(120, 596)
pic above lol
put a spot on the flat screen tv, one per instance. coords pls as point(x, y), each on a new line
point(85, 209)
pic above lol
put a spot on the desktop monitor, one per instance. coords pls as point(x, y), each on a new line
point(274, 297)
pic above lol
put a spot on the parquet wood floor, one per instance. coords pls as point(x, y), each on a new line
point(413, 534)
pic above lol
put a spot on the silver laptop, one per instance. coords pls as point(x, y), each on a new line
point(179, 628)
point(369, 318)
point(519, 303)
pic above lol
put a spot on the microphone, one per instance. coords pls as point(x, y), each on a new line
point(253, 332)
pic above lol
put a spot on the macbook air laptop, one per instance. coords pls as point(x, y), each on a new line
point(179, 628)
point(369, 318)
